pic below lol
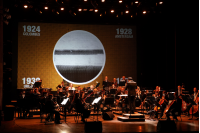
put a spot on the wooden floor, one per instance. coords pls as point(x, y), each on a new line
point(34, 125)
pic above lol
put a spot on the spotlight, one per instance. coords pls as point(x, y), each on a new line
point(102, 0)
point(126, 11)
point(84, 9)
point(96, 10)
point(74, 13)
point(79, 9)
point(6, 9)
point(112, 11)
point(40, 12)
point(131, 16)
point(85, 0)
point(117, 16)
point(100, 15)
point(144, 12)
point(91, 10)
point(62, 8)
point(120, 1)
point(136, 2)
point(6, 22)
point(46, 7)
point(25, 6)
point(57, 12)
point(160, 2)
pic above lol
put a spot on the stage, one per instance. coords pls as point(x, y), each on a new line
point(33, 125)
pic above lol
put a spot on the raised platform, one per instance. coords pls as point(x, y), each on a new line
point(131, 117)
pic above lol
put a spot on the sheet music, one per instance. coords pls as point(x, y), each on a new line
point(64, 101)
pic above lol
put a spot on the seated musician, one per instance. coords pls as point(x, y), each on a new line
point(50, 108)
point(193, 101)
point(79, 107)
point(115, 83)
point(174, 106)
point(60, 87)
point(71, 87)
point(36, 92)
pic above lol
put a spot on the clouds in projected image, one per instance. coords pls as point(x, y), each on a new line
point(79, 57)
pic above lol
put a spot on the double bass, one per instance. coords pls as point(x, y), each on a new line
point(195, 108)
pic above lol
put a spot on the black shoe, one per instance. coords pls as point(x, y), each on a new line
point(58, 122)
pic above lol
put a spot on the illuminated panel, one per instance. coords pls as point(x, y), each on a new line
point(38, 43)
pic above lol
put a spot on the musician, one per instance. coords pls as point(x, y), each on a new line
point(79, 107)
point(131, 94)
point(174, 107)
point(124, 78)
point(105, 83)
point(115, 82)
point(50, 108)
point(193, 101)
point(60, 87)
point(179, 90)
point(138, 92)
point(71, 87)
point(22, 104)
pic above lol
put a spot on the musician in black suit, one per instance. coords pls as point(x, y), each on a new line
point(131, 86)
point(50, 108)
point(105, 82)
point(175, 107)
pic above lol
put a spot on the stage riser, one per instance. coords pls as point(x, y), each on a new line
point(125, 119)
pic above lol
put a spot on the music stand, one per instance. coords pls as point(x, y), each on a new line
point(113, 91)
point(95, 102)
point(97, 85)
point(64, 102)
point(71, 92)
point(122, 83)
point(109, 101)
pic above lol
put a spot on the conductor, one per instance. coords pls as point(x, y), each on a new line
point(131, 86)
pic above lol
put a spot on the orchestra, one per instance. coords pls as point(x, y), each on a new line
point(125, 98)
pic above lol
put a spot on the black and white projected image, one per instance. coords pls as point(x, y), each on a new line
point(79, 57)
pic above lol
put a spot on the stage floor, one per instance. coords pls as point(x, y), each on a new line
point(33, 125)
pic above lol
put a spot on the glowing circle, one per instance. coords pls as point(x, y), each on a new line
point(79, 57)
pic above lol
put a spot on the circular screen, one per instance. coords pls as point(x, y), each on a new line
point(79, 57)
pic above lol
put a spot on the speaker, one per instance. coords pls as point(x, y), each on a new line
point(108, 116)
point(166, 126)
point(93, 127)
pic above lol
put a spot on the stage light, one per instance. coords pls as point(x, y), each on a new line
point(79, 9)
point(96, 10)
point(160, 2)
point(112, 11)
point(57, 12)
point(45, 7)
point(117, 16)
point(62, 8)
point(122, 13)
point(91, 10)
point(84, 9)
point(136, 2)
point(131, 16)
point(25, 6)
point(144, 12)
point(102, 0)
point(120, 1)
point(126, 11)
point(74, 13)
point(40, 12)
point(85, 0)
point(100, 15)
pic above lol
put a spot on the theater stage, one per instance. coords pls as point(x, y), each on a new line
point(33, 125)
